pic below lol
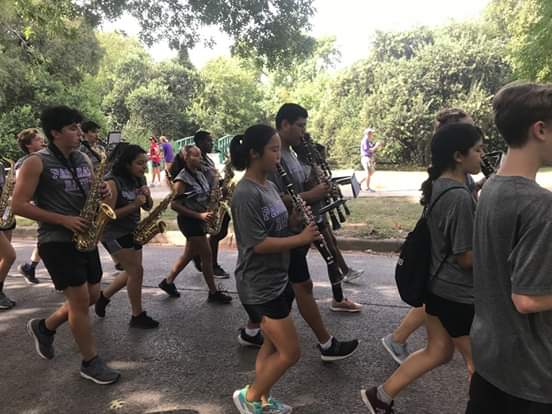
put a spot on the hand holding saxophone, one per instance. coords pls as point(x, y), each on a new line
point(74, 223)
point(105, 191)
point(205, 216)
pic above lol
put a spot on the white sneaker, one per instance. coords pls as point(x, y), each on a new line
point(352, 274)
point(345, 305)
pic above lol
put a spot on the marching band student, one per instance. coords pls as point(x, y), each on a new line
point(396, 342)
point(90, 142)
point(261, 225)
point(193, 191)
point(291, 121)
point(30, 141)
point(128, 197)
point(7, 252)
point(58, 179)
point(455, 151)
point(512, 330)
point(204, 141)
point(339, 302)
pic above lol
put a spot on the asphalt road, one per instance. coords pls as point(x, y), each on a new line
point(192, 363)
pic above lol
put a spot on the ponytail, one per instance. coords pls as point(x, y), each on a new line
point(427, 185)
point(238, 153)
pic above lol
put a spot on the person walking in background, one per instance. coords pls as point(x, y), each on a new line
point(168, 154)
point(367, 157)
point(155, 158)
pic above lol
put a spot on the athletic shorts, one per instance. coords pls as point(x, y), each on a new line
point(191, 227)
point(456, 317)
point(155, 164)
point(298, 267)
point(68, 267)
point(125, 242)
point(368, 163)
point(278, 308)
point(485, 398)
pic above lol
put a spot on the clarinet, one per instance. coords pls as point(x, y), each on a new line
point(317, 173)
point(336, 193)
point(490, 163)
point(298, 203)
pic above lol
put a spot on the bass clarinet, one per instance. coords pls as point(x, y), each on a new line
point(298, 203)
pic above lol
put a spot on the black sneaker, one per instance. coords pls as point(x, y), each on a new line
point(219, 297)
point(197, 263)
point(247, 340)
point(44, 343)
point(28, 273)
point(338, 350)
point(98, 372)
point(220, 273)
point(100, 305)
point(169, 288)
point(143, 321)
point(374, 404)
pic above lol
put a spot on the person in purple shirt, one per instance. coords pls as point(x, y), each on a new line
point(367, 149)
point(168, 154)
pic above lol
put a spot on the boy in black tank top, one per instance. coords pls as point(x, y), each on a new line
point(58, 179)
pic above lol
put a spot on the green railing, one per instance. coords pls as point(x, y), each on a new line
point(221, 146)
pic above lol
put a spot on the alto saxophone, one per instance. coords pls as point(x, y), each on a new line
point(221, 206)
point(95, 212)
point(151, 226)
point(7, 219)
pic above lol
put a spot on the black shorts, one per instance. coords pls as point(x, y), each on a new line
point(278, 308)
point(68, 267)
point(125, 242)
point(298, 267)
point(485, 398)
point(192, 227)
point(155, 164)
point(456, 317)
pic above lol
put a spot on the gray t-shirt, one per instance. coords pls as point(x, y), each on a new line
point(512, 242)
point(257, 213)
point(127, 189)
point(451, 227)
point(295, 172)
point(198, 189)
point(58, 192)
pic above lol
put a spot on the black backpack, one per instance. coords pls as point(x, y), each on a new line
point(412, 272)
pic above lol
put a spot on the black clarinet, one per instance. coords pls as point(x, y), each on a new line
point(298, 203)
point(490, 163)
point(317, 174)
point(335, 190)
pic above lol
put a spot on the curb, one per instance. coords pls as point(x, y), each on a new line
point(175, 238)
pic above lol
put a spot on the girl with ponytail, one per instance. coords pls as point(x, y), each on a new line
point(456, 150)
point(261, 226)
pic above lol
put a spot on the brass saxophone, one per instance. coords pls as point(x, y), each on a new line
point(151, 226)
point(95, 212)
point(221, 206)
point(7, 219)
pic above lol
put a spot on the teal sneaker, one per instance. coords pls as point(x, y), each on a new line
point(276, 407)
point(244, 406)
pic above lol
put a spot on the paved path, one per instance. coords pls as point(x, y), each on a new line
point(192, 363)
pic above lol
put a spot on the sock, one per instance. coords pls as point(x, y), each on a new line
point(1, 286)
point(87, 363)
point(252, 332)
point(382, 396)
point(325, 346)
point(337, 292)
point(43, 329)
point(33, 265)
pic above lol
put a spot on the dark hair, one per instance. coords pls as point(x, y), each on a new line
point(25, 137)
point(290, 112)
point(54, 118)
point(126, 157)
point(445, 143)
point(519, 105)
point(179, 163)
point(89, 125)
point(255, 138)
point(449, 116)
point(201, 136)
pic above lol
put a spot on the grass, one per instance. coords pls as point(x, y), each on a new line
point(371, 217)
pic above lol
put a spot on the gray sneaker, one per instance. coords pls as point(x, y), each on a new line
point(98, 372)
point(44, 343)
point(398, 352)
point(352, 274)
point(5, 302)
